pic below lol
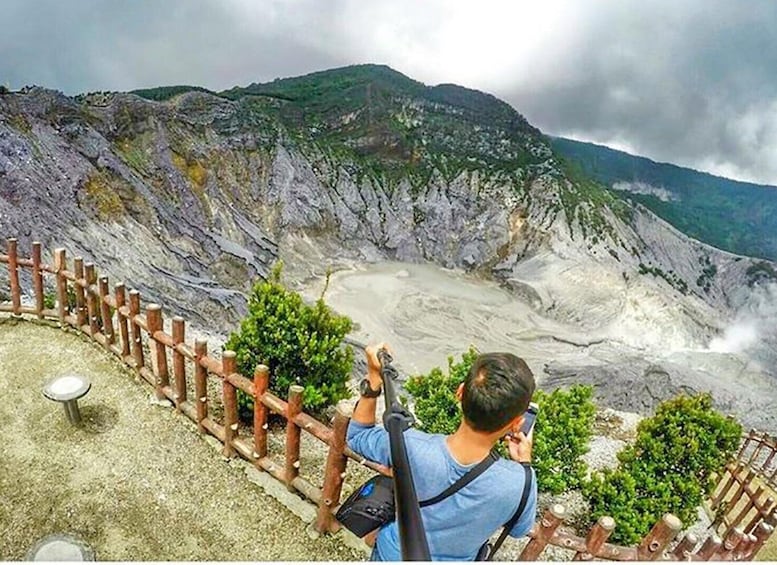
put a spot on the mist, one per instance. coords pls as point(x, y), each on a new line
point(753, 331)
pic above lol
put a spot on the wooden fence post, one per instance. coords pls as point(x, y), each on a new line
point(137, 340)
point(664, 531)
point(768, 507)
point(37, 278)
point(547, 526)
point(745, 548)
point(596, 538)
point(201, 382)
point(750, 437)
point(179, 362)
point(730, 543)
point(261, 383)
point(91, 300)
point(78, 270)
point(120, 295)
point(684, 549)
point(105, 313)
point(60, 264)
point(229, 367)
point(293, 408)
point(13, 274)
point(749, 505)
point(761, 441)
point(762, 533)
point(336, 463)
point(709, 548)
point(772, 453)
point(159, 359)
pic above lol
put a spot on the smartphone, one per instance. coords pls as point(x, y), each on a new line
point(529, 417)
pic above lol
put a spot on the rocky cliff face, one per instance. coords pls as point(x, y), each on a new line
point(191, 198)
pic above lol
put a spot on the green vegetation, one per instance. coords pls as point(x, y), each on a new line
point(434, 395)
point(586, 200)
point(760, 271)
point(136, 151)
point(669, 468)
point(562, 430)
point(383, 127)
point(708, 273)
point(736, 216)
point(162, 93)
point(671, 277)
point(300, 343)
point(50, 300)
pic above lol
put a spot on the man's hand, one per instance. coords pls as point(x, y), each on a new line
point(373, 364)
point(519, 445)
point(364, 412)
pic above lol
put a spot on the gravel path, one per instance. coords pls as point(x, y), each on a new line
point(136, 482)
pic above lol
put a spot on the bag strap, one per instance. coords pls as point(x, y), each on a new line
point(528, 479)
point(463, 481)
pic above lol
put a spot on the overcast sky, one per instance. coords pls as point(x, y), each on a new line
point(693, 82)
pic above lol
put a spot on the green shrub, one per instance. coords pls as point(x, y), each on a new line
point(563, 429)
point(300, 343)
point(561, 434)
point(50, 299)
point(434, 395)
point(668, 469)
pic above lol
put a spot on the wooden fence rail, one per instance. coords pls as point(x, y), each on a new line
point(136, 335)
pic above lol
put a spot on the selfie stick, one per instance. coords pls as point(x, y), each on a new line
point(396, 419)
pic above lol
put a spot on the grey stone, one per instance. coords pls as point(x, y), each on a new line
point(60, 547)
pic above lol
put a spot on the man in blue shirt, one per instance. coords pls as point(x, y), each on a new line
point(494, 398)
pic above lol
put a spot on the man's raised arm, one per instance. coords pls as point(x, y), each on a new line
point(363, 437)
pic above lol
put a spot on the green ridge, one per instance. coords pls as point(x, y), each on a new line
point(735, 216)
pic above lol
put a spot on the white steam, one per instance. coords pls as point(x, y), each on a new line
point(754, 328)
point(737, 338)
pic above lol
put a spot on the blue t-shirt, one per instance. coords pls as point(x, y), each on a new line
point(457, 526)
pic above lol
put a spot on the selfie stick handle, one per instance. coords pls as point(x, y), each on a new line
point(396, 419)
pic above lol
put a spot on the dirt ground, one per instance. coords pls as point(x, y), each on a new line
point(136, 482)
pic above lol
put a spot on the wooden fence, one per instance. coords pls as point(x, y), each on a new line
point(117, 320)
point(745, 496)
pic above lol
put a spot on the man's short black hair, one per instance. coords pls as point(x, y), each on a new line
point(498, 388)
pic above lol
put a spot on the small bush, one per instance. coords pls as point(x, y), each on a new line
point(434, 395)
point(301, 344)
point(562, 430)
point(668, 469)
point(50, 300)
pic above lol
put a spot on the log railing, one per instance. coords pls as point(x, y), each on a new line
point(746, 497)
point(137, 336)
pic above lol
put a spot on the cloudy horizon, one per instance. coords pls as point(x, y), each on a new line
point(689, 83)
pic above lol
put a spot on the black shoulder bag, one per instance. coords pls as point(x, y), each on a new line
point(372, 504)
point(487, 551)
